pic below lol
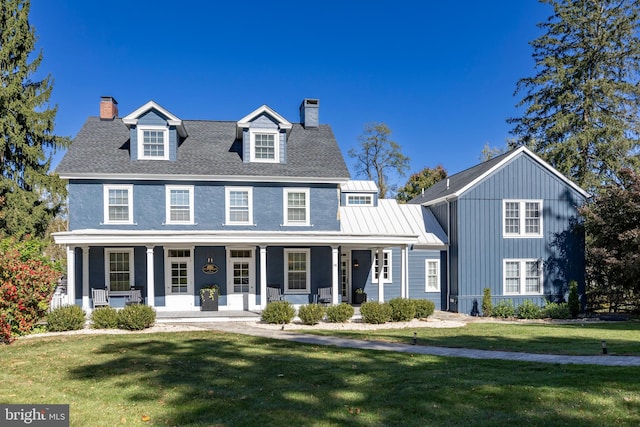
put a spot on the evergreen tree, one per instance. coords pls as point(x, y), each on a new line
point(30, 196)
point(582, 105)
point(377, 155)
point(420, 181)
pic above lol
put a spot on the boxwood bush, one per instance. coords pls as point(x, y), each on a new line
point(136, 317)
point(503, 309)
point(528, 310)
point(556, 310)
point(402, 309)
point(375, 312)
point(104, 318)
point(339, 313)
point(278, 312)
point(66, 318)
point(424, 308)
point(311, 314)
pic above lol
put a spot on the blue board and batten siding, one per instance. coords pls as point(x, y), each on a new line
point(476, 234)
point(86, 206)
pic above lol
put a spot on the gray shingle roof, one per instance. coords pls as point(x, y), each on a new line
point(211, 148)
point(458, 180)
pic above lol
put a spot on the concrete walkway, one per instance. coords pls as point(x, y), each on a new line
point(247, 329)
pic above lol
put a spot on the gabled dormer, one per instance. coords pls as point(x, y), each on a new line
point(155, 133)
point(263, 133)
point(359, 193)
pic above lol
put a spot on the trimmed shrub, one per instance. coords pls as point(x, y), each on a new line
point(104, 318)
point(375, 312)
point(574, 299)
point(339, 313)
point(504, 309)
point(487, 305)
point(556, 310)
point(424, 308)
point(311, 314)
point(67, 318)
point(136, 317)
point(528, 310)
point(278, 312)
point(402, 310)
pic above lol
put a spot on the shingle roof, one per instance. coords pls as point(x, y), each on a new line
point(211, 149)
point(458, 181)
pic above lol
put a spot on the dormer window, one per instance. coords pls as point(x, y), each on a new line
point(265, 146)
point(153, 143)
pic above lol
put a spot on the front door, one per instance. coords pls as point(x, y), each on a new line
point(241, 287)
point(345, 276)
point(179, 279)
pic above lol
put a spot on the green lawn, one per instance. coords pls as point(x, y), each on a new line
point(208, 378)
point(623, 338)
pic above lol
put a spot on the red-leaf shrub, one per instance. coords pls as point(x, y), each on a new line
point(26, 287)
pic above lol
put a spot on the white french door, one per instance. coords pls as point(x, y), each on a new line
point(345, 276)
point(179, 279)
point(241, 284)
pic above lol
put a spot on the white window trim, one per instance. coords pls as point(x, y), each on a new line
point(426, 275)
point(106, 190)
point(522, 217)
point(227, 210)
point(286, 271)
point(107, 279)
point(168, 189)
point(369, 203)
point(252, 268)
point(276, 147)
point(285, 207)
point(522, 266)
point(140, 134)
point(190, 268)
point(389, 278)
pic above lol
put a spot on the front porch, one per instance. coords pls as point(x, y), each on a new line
point(207, 316)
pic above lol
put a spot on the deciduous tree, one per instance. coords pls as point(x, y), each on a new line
point(582, 104)
point(420, 181)
point(30, 196)
point(377, 155)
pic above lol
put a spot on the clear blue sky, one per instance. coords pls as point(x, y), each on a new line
point(440, 74)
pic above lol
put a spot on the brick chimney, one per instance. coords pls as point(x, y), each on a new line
point(310, 113)
point(108, 108)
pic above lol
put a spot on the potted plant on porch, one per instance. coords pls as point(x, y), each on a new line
point(359, 296)
point(209, 296)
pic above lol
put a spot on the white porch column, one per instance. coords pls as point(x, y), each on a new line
point(71, 274)
point(263, 277)
point(404, 289)
point(336, 295)
point(85, 278)
point(380, 255)
point(151, 294)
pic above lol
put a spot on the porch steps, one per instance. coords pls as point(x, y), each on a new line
point(207, 316)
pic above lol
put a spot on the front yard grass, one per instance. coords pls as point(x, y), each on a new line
point(622, 338)
point(209, 378)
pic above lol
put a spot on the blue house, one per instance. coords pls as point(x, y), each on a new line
point(168, 206)
point(512, 227)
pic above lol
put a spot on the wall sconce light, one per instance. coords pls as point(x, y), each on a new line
point(210, 260)
point(356, 264)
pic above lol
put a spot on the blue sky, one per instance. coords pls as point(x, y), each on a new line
point(440, 74)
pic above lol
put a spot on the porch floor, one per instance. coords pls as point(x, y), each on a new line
point(207, 316)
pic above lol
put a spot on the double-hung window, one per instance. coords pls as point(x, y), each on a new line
point(119, 269)
point(432, 275)
point(386, 266)
point(118, 204)
point(522, 218)
point(153, 143)
point(239, 205)
point(296, 206)
point(179, 204)
point(265, 146)
point(297, 270)
point(522, 277)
